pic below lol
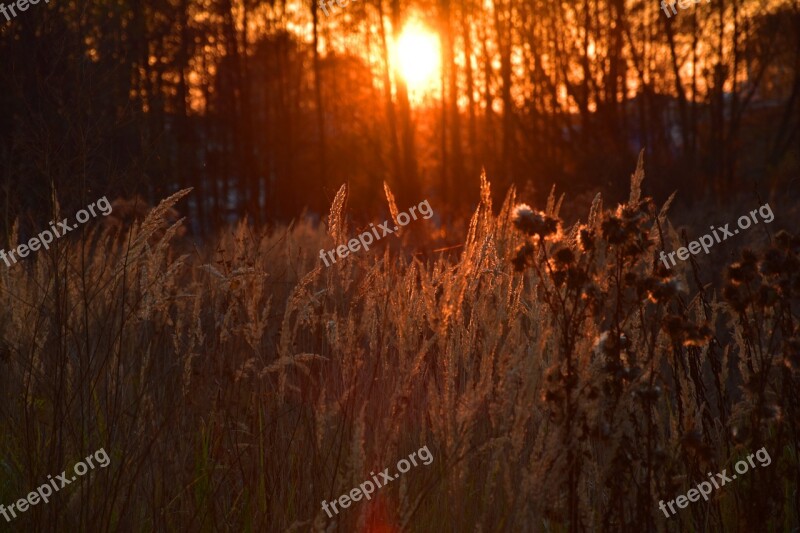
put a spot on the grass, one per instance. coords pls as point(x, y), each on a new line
point(562, 380)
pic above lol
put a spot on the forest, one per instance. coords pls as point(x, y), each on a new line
point(256, 104)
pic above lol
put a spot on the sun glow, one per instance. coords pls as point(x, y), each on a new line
point(417, 57)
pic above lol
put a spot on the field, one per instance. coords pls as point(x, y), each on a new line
point(561, 378)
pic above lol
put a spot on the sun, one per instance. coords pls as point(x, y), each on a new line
point(418, 58)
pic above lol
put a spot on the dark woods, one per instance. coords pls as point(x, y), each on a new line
point(268, 107)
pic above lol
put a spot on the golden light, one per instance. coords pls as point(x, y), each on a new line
point(417, 57)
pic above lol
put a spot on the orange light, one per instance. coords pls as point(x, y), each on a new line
point(418, 57)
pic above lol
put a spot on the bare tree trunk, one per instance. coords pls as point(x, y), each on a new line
point(243, 138)
point(251, 171)
point(410, 177)
point(444, 177)
point(466, 21)
point(390, 110)
point(318, 94)
point(503, 30)
point(456, 152)
point(488, 146)
point(679, 90)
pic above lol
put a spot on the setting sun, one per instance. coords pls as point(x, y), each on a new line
point(418, 57)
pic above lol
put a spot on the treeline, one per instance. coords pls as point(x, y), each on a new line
point(267, 107)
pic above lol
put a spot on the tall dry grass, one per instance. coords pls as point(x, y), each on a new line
point(562, 380)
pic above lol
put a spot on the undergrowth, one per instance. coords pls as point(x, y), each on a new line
point(562, 379)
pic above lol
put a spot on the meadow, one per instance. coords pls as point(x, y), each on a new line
point(560, 376)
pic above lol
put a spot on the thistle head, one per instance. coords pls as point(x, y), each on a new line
point(533, 222)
